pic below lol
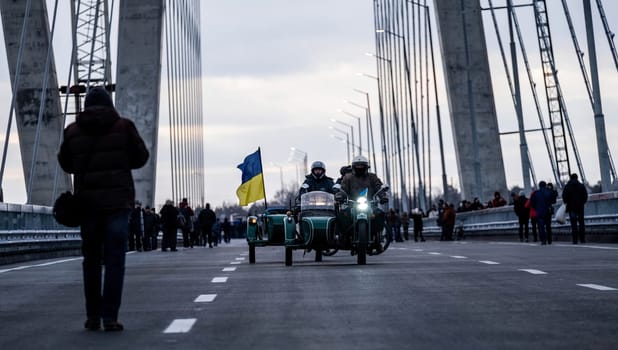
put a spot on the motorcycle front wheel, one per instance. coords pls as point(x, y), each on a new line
point(362, 244)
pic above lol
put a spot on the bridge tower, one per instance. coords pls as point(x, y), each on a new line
point(471, 99)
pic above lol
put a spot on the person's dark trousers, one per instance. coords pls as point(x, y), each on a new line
point(406, 235)
point(448, 232)
point(398, 233)
point(185, 238)
point(541, 225)
point(523, 229)
point(135, 240)
point(548, 228)
point(534, 223)
point(104, 240)
point(153, 240)
point(417, 234)
point(578, 228)
point(169, 239)
point(208, 237)
point(146, 242)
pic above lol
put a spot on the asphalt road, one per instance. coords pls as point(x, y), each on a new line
point(432, 295)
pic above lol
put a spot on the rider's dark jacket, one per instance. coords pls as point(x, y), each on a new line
point(323, 183)
point(353, 185)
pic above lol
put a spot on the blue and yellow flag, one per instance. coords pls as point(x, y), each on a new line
point(252, 187)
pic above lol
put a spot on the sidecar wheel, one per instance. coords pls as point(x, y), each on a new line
point(362, 245)
point(288, 256)
point(251, 253)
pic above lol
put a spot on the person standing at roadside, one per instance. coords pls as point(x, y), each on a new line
point(523, 214)
point(169, 226)
point(575, 196)
point(206, 219)
point(541, 201)
point(100, 148)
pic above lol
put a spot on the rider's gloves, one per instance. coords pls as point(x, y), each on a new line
point(339, 197)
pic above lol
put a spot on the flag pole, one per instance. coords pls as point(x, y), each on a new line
point(263, 181)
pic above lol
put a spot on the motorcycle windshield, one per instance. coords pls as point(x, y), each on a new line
point(317, 200)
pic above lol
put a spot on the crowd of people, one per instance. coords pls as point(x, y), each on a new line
point(199, 228)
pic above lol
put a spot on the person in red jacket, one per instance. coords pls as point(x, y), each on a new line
point(100, 148)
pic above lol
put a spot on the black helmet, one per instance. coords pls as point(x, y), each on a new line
point(360, 165)
point(318, 165)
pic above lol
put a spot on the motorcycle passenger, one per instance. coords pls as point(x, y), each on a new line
point(359, 179)
point(346, 169)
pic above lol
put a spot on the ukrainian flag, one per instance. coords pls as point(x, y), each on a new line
point(252, 187)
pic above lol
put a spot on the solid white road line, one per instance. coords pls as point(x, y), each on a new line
point(459, 257)
point(205, 298)
point(227, 269)
point(182, 325)
point(488, 262)
point(219, 280)
point(39, 265)
point(597, 287)
point(534, 272)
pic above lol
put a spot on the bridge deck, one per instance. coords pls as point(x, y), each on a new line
point(466, 295)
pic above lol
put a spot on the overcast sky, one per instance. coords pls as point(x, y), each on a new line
point(276, 71)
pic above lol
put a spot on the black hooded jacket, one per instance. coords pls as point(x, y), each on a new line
point(100, 148)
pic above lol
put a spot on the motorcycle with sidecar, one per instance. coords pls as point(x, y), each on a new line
point(325, 226)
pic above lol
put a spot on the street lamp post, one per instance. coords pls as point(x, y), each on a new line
point(385, 163)
point(297, 154)
point(368, 124)
point(345, 124)
point(280, 173)
point(346, 140)
point(358, 119)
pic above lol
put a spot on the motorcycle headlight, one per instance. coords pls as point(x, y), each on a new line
point(252, 220)
point(361, 203)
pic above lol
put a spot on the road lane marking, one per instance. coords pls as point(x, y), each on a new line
point(434, 253)
point(182, 325)
point(597, 286)
point(228, 269)
point(219, 280)
point(244, 254)
point(239, 259)
point(235, 263)
point(534, 272)
point(459, 257)
point(39, 265)
point(205, 298)
point(418, 250)
point(489, 262)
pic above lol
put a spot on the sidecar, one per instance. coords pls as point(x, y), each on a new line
point(314, 228)
point(266, 229)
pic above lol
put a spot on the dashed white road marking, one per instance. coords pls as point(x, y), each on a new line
point(418, 250)
point(597, 286)
point(434, 253)
point(235, 263)
point(229, 269)
point(205, 298)
point(239, 259)
point(534, 272)
point(459, 257)
point(489, 262)
point(244, 254)
point(219, 280)
point(182, 325)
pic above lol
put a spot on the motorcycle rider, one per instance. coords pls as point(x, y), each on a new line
point(317, 180)
point(359, 179)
